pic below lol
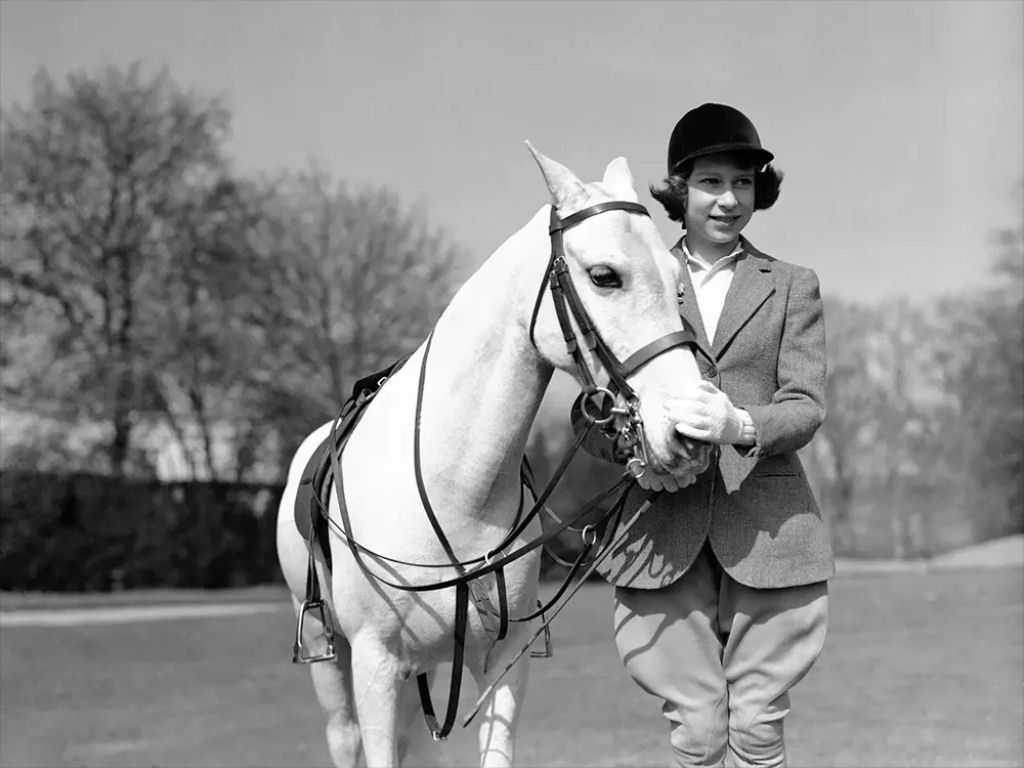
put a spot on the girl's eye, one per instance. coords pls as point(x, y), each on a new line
point(604, 277)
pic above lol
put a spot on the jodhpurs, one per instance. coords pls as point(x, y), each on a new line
point(721, 657)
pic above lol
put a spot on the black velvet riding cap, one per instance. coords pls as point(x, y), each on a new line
point(712, 128)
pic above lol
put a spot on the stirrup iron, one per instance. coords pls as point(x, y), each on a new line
point(299, 655)
point(548, 651)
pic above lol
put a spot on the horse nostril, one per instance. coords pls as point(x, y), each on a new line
point(693, 449)
point(688, 454)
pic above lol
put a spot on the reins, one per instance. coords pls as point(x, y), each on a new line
point(605, 550)
point(597, 405)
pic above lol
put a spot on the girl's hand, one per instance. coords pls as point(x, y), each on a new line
point(656, 481)
point(704, 412)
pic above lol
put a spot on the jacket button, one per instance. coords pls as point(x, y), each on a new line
point(711, 372)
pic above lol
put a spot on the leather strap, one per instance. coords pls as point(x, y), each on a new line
point(540, 297)
point(441, 732)
point(555, 228)
point(418, 469)
point(568, 302)
point(613, 205)
point(645, 354)
point(490, 566)
point(607, 546)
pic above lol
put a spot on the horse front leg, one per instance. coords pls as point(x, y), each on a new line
point(416, 745)
point(501, 711)
point(376, 683)
point(332, 682)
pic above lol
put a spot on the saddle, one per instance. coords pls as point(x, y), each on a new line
point(314, 495)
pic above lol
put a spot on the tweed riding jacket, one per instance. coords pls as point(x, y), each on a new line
point(753, 504)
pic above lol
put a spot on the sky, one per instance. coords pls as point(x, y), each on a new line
point(899, 125)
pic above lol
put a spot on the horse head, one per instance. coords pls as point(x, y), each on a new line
point(625, 279)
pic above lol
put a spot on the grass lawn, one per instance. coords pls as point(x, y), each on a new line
point(920, 669)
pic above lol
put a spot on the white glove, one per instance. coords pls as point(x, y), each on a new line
point(656, 481)
point(704, 412)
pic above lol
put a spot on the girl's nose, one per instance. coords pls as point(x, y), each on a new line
point(727, 199)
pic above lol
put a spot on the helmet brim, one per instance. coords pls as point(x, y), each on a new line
point(761, 156)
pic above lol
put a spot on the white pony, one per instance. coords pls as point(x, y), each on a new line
point(483, 383)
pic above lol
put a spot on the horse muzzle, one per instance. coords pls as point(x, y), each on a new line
point(675, 454)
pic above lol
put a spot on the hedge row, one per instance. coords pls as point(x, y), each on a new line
point(85, 532)
point(93, 533)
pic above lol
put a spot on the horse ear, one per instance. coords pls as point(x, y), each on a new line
point(562, 183)
point(618, 178)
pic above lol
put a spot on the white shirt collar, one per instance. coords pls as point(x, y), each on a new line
point(695, 261)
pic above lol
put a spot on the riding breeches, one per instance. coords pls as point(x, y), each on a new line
point(722, 657)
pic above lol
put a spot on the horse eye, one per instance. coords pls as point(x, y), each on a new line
point(605, 277)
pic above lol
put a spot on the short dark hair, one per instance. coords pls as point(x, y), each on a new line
point(672, 194)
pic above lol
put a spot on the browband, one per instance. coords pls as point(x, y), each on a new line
point(612, 205)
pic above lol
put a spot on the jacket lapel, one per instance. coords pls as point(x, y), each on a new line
point(688, 308)
point(752, 284)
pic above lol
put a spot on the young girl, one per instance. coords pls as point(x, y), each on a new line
point(721, 597)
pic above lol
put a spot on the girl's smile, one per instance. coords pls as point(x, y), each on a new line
point(720, 202)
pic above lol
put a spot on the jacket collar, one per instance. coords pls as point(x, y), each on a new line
point(752, 284)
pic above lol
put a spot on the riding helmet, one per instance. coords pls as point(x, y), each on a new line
point(712, 128)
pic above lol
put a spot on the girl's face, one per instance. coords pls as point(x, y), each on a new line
point(720, 199)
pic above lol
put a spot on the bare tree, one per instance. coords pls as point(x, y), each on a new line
point(907, 377)
point(343, 283)
point(925, 415)
point(985, 375)
point(143, 283)
point(836, 455)
point(107, 184)
point(881, 444)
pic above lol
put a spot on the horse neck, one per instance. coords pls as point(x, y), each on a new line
point(485, 381)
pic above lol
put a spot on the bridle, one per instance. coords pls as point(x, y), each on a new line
point(597, 404)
